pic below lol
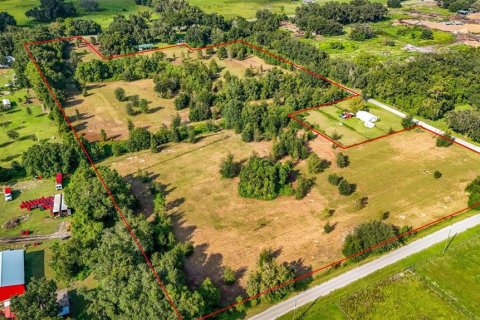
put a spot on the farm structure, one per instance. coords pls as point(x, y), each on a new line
point(60, 208)
point(255, 238)
point(8, 194)
point(12, 278)
point(59, 181)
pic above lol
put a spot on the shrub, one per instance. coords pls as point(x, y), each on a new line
point(368, 234)
point(426, 34)
point(328, 227)
point(228, 167)
point(345, 188)
point(362, 32)
point(444, 141)
point(342, 160)
point(437, 174)
point(385, 215)
point(334, 179)
point(407, 122)
point(394, 3)
point(229, 276)
point(315, 164)
point(303, 187)
point(327, 212)
point(182, 101)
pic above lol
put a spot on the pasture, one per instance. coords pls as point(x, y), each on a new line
point(109, 9)
point(28, 127)
point(228, 230)
point(347, 132)
point(446, 284)
point(388, 44)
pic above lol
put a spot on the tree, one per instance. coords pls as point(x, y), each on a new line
point(6, 19)
point(222, 52)
point(328, 227)
point(38, 302)
point(407, 122)
point(90, 5)
point(228, 167)
point(473, 189)
point(138, 139)
point(342, 160)
point(49, 10)
point(334, 179)
point(345, 188)
point(445, 140)
point(394, 3)
point(303, 187)
point(315, 164)
point(362, 32)
point(13, 134)
point(210, 294)
point(181, 101)
point(269, 274)
point(263, 179)
point(368, 234)
point(426, 34)
point(120, 94)
point(143, 105)
point(437, 174)
point(46, 159)
point(229, 276)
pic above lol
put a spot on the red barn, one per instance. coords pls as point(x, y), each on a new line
point(59, 180)
point(12, 277)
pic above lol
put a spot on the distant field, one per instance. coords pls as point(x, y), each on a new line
point(351, 131)
point(30, 128)
point(248, 8)
point(212, 215)
point(399, 35)
point(104, 17)
point(441, 286)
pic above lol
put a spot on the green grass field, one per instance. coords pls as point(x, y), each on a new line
point(399, 36)
point(327, 120)
point(444, 286)
point(104, 17)
point(30, 127)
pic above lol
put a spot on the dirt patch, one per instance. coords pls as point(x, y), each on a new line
point(453, 28)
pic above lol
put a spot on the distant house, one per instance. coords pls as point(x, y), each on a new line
point(145, 46)
point(367, 118)
point(6, 104)
point(60, 208)
point(308, 1)
point(9, 60)
point(12, 278)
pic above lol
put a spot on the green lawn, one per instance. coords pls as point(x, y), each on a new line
point(327, 120)
point(104, 17)
point(31, 128)
point(450, 275)
point(38, 222)
point(398, 36)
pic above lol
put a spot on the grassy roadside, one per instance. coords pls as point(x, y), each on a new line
point(328, 306)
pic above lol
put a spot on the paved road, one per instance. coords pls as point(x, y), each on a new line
point(366, 269)
point(423, 124)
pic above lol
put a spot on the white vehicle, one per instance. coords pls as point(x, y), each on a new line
point(8, 194)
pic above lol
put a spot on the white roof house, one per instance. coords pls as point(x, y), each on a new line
point(6, 103)
point(12, 272)
point(366, 116)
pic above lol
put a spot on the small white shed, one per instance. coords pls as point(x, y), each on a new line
point(366, 116)
point(6, 104)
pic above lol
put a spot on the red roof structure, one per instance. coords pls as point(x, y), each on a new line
point(8, 190)
point(12, 274)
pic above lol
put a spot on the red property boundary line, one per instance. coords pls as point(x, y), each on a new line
point(292, 116)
